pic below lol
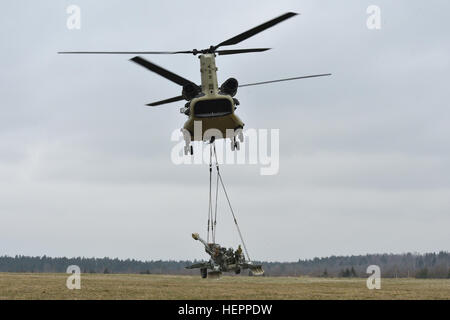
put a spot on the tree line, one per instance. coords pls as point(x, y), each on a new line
point(429, 265)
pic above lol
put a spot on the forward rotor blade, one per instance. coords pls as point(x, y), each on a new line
point(287, 79)
point(235, 51)
point(174, 99)
point(124, 52)
point(255, 30)
point(161, 71)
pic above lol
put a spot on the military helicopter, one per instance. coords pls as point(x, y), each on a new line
point(208, 104)
point(223, 260)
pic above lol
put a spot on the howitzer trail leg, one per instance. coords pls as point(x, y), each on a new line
point(257, 270)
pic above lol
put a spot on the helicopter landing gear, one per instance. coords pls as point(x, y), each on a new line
point(235, 145)
point(188, 149)
point(239, 134)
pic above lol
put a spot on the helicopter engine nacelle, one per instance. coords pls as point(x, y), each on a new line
point(190, 91)
point(229, 87)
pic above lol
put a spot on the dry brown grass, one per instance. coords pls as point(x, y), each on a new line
point(133, 286)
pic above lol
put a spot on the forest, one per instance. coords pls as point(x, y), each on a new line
point(429, 265)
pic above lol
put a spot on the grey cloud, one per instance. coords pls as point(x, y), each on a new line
point(85, 167)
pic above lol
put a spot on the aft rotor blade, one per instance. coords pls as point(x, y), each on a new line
point(287, 79)
point(161, 71)
point(174, 99)
point(235, 51)
point(255, 30)
point(124, 52)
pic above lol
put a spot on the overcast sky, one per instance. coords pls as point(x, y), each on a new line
point(85, 167)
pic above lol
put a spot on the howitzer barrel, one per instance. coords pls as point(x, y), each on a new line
point(196, 236)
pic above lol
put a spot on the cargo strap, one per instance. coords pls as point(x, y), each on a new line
point(212, 223)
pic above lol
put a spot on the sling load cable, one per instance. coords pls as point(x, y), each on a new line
point(209, 226)
point(215, 211)
point(229, 203)
point(212, 223)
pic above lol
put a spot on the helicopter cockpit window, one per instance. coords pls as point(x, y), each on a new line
point(212, 108)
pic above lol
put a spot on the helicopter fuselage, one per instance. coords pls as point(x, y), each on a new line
point(212, 109)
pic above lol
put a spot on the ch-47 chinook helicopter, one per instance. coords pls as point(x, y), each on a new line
point(211, 105)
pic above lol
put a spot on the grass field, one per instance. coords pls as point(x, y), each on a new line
point(133, 286)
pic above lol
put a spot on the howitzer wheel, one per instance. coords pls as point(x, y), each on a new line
point(204, 273)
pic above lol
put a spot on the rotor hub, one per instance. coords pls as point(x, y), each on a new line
point(211, 49)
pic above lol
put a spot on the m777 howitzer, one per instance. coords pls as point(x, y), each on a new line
point(223, 260)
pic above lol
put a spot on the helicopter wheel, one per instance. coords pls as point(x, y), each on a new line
point(240, 135)
point(186, 150)
point(192, 150)
point(237, 145)
point(233, 145)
